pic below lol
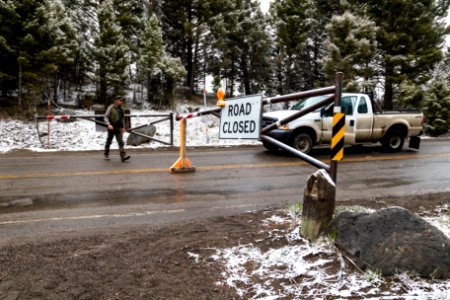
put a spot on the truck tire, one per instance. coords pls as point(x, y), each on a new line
point(269, 146)
point(393, 141)
point(302, 142)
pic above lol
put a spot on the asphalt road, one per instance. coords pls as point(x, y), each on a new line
point(50, 193)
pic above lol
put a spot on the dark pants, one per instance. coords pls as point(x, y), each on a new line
point(119, 138)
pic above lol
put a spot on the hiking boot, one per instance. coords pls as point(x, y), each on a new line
point(107, 157)
point(124, 157)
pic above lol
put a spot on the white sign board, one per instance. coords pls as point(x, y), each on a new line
point(241, 118)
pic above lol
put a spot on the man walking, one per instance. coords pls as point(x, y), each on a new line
point(115, 120)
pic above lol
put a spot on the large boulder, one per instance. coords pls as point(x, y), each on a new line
point(136, 140)
point(393, 240)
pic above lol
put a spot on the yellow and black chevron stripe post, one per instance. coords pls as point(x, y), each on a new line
point(337, 140)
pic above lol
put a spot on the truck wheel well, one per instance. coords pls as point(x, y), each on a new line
point(308, 130)
point(398, 127)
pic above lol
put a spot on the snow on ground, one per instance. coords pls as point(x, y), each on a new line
point(302, 270)
point(81, 134)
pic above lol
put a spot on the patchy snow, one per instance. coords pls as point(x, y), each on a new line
point(303, 270)
point(194, 256)
point(275, 219)
point(81, 134)
point(442, 222)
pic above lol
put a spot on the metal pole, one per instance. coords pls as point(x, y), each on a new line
point(297, 115)
point(183, 140)
point(337, 108)
point(101, 116)
point(48, 122)
point(312, 161)
point(205, 121)
point(285, 98)
point(171, 129)
point(148, 137)
point(183, 164)
point(37, 129)
point(301, 95)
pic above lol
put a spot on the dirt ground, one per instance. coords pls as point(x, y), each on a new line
point(144, 263)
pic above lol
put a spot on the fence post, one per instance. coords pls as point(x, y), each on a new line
point(318, 204)
point(183, 164)
point(319, 198)
point(337, 109)
point(49, 112)
point(171, 128)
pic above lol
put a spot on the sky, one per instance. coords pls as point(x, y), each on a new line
point(265, 5)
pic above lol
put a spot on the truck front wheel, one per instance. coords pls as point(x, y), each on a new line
point(270, 147)
point(302, 142)
point(393, 141)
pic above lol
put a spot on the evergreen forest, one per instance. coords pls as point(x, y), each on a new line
point(153, 51)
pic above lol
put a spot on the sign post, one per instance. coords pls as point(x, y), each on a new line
point(241, 118)
point(337, 128)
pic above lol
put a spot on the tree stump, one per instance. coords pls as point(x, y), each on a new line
point(318, 205)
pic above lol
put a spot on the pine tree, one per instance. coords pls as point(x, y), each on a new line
point(437, 107)
point(254, 63)
point(162, 72)
point(111, 54)
point(8, 48)
point(65, 47)
point(152, 51)
point(37, 39)
point(410, 38)
point(410, 95)
point(82, 14)
point(183, 26)
point(240, 47)
point(296, 51)
point(351, 49)
point(171, 72)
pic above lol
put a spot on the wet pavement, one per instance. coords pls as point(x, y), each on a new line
point(49, 193)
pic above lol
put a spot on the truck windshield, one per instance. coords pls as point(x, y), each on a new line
point(307, 103)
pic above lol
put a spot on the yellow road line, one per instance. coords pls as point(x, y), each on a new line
point(82, 173)
point(78, 218)
point(219, 167)
point(104, 216)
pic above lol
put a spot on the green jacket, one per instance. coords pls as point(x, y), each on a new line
point(115, 116)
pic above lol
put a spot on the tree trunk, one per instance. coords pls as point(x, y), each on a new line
point(149, 85)
point(64, 91)
point(388, 87)
point(233, 72)
point(19, 98)
point(103, 89)
point(196, 55)
point(55, 88)
point(190, 54)
point(245, 75)
point(318, 204)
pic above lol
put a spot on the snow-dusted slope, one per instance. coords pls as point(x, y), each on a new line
point(81, 135)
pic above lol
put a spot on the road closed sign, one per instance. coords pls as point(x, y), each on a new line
point(241, 118)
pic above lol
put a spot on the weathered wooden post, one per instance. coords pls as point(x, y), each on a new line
point(319, 198)
point(318, 204)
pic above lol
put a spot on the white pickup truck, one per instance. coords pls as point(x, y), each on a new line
point(363, 125)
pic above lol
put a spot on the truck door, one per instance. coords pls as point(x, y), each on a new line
point(347, 106)
point(363, 121)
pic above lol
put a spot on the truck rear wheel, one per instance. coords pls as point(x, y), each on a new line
point(303, 143)
point(393, 141)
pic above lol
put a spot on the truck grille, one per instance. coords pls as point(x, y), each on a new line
point(266, 121)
